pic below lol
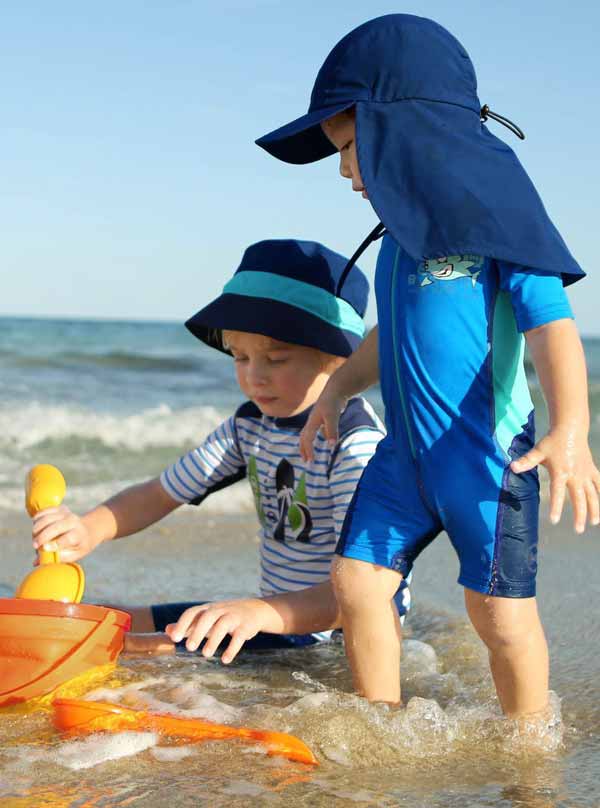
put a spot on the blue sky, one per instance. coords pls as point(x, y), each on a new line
point(131, 184)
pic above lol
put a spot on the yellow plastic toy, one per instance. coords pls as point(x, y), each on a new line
point(45, 487)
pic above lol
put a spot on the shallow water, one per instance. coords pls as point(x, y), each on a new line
point(111, 403)
point(450, 747)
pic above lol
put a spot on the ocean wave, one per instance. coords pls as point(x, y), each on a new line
point(35, 424)
point(113, 360)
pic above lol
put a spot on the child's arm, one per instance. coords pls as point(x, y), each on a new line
point(559, 360)
point(358, 373)
point(127, 512)
point(302, 612)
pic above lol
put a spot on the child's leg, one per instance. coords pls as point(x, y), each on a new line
point(372, 633)
point(142, 619)
point(513, 634)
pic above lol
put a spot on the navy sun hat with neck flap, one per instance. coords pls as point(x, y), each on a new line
point(289, 290)
point(439, 181)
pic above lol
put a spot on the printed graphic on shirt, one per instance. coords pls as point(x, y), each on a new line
point(291, 504)
point(252, 474)
point(450, 268)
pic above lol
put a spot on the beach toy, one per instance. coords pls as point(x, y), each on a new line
point(44, 643)
point(45, 487)
point(46, 637)
point(77, 717)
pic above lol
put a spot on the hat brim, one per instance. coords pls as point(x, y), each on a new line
point(303, 141)
point(270, 318)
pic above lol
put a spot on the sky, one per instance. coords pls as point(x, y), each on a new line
point(130, 180)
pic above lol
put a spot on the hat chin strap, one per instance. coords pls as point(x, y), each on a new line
point(486, 113)
point(376, 233)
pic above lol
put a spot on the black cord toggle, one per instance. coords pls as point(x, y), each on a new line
point(376, 232)
point(486, 113)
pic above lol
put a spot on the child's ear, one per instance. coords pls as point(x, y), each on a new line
point(330, 363)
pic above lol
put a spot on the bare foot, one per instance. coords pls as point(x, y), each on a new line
point(154, 644)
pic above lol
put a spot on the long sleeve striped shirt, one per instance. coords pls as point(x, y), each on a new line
point(300, 505)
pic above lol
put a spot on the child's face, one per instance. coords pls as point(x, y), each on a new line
point(281, 379)
point(341, 131)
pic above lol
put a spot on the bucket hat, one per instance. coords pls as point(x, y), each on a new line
point(439, 180)
point(288, 290)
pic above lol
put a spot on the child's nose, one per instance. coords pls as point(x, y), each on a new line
point(345, 169)
point(257, 373)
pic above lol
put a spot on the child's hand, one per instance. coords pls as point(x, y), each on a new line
point(58, 529)
point(325, 416)
point(242, 619)
point(567, 456)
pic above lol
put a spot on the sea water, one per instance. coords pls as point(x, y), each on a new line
point(113, 403)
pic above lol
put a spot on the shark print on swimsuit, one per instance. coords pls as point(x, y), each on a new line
point(450, 268)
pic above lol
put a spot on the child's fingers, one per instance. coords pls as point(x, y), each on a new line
point(593, 505)
point(177, 631)
point(46, 518)
point(579, 502)
point(234, 647)
point(67, 543)
point(529, 461)
point(47, 515)
point(205, 627)
point(68, 546)
point(558, 488)
point(330, 428)
point(308, 435)
point(54, 531)
point(222, 627)
point(197, 628)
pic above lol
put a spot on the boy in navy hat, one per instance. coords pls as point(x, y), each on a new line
point(288, 323)
point(469, 264)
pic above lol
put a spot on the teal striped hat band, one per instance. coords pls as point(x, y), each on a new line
point(298, 292)
point(305, 296)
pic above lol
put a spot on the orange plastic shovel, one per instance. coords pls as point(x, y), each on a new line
point(77, 717)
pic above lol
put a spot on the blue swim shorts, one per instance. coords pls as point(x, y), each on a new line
point(489, 513)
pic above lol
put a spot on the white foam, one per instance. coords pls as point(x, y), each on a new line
point(418, 657)
point(187, 699)
point(32, 424)
point(98, 749)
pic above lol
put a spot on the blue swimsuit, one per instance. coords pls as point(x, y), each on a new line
point(458, 411)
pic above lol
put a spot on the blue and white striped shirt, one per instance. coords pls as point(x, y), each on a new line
point(301, 506)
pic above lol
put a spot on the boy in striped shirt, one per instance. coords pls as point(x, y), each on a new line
point(290, 316)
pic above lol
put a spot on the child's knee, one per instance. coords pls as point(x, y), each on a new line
point(504, 624)
point(359, 583)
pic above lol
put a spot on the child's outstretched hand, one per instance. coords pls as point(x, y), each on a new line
point(325, 416)
point(58, 529)
point(566, 455)
point(241, 619)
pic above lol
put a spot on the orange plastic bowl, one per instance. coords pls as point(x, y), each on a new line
point(44, 643)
